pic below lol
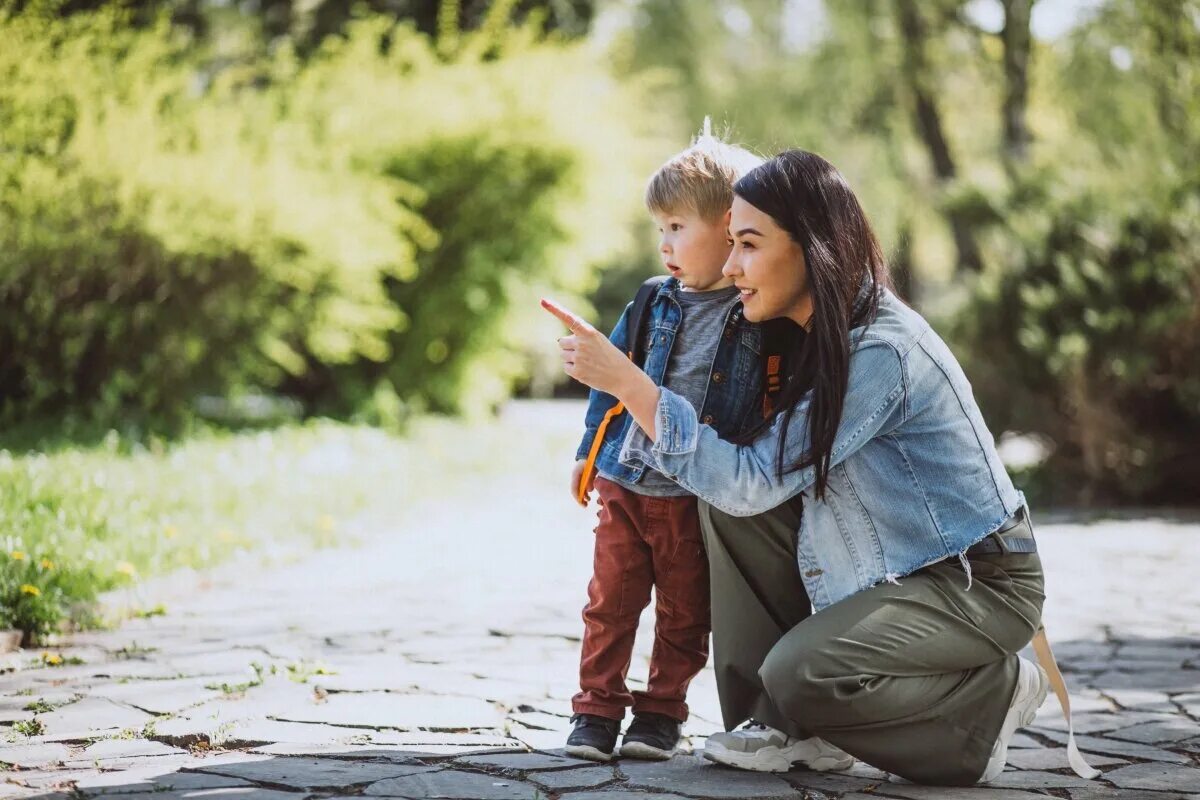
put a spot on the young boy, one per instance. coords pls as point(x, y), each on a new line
point(695, 341)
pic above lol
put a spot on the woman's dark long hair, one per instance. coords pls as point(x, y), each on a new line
point(809, 198)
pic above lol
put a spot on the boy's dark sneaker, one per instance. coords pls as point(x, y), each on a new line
point(652, 736)
point(593, 737)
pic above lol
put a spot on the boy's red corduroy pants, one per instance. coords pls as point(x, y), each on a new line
point(644, 542)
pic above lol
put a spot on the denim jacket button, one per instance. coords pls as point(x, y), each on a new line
point(708, 419)
point(718, 377)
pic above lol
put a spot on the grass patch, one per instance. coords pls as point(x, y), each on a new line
point(80, 521)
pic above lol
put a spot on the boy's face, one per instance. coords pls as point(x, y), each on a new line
point(694, 249)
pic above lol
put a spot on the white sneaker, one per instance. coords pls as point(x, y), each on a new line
point(763, 749)
point(1032, 686)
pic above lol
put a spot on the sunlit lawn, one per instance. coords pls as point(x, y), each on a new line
point(83, 520)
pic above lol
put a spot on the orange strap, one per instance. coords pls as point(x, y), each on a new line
point(773, 384)
point(590, 465)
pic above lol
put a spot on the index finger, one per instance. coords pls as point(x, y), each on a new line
point(576, 323)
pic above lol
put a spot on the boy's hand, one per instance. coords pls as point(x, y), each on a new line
point(576, 476)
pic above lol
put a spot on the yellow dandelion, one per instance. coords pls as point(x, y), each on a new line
point(47, 564)
point(53, 659)
point(125, 568)
point(17, 555)
point(30, 589)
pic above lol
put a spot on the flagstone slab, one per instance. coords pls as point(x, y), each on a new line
point(217, 663)
point(49, 779)
point(493, 740)
point(366, 752)
point(585, 778)
point(265, 731)
point(1101, 723)
point(90, 714)
point(693, 775)
point(915, 792)
point(454, 784)
point(1142, 700)
point(1171, 730)
point(625, 795)
point(1023, 741)
point(1054, 758)
point(378, 710)
point(832, 782)
point(153, 780)
point(537, 739)
point(312, 773)
point(1099, 792)
point(1034, 779)
point(31, 756)
point(228, 793)
point(1174, 680)
point(1157, 777)
point(524, 762)
point(1116, 747)
point(161, 696)
point(108, 750)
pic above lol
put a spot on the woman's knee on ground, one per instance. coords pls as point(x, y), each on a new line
point(800, 682)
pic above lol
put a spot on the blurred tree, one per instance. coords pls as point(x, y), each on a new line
point(307, 23)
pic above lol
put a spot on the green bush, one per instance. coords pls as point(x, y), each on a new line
point(98, 315)
point(1092, 340)
point(182, 220)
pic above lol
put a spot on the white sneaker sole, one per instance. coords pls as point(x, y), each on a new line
point(1022, 712)
point(775, 759)
point(587, 752)
point(645, 751)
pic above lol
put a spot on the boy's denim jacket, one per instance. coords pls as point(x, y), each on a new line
point(914, 478)
point(733, 402)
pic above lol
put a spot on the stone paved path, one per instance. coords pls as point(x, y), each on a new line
point(439, 659)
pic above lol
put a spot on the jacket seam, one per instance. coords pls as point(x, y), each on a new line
point(974, 432)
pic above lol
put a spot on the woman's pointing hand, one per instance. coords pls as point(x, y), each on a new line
point(589, 357)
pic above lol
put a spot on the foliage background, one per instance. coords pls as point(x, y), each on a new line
point(223, 222)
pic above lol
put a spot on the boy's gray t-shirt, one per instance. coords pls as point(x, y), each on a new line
point(688, 369)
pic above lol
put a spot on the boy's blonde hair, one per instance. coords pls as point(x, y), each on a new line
point(701, 178)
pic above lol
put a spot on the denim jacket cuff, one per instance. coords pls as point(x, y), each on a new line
point(585, 446)
point(677, 425)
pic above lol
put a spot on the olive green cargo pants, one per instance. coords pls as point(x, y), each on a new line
point(914, 678)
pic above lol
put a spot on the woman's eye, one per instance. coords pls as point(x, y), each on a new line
point(747, 246)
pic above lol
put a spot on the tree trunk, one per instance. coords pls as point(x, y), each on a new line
point(1018, 46)
point(928, 122)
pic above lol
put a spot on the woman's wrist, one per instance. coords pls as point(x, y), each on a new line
point(639, 395)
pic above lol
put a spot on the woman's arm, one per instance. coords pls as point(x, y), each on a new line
point(738, 479)
point(742, 479)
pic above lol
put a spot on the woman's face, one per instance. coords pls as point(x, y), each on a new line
point(767, 266)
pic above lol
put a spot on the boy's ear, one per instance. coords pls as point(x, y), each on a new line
point(728, 217)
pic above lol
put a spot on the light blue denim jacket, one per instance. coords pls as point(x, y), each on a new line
point(914, 478)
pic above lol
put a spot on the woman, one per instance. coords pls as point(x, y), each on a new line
point(873, 491)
